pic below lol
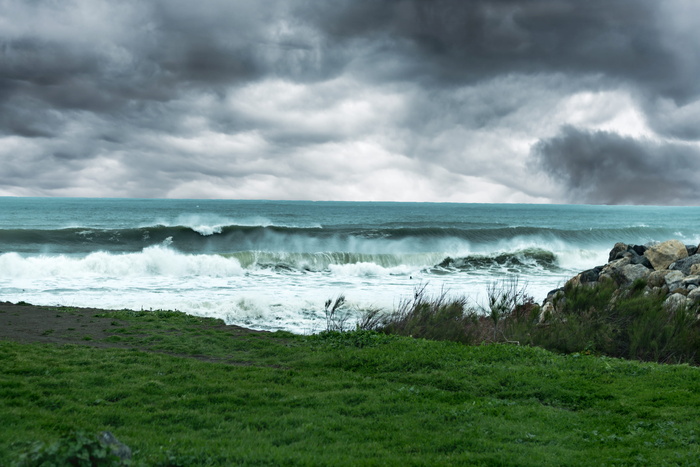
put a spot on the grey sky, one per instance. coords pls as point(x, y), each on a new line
point(453, 100)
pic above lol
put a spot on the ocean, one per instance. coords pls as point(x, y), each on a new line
point(271, 265)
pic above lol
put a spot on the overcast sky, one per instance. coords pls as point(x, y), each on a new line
point(534, 101)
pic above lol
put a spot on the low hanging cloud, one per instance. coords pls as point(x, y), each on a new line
point(416, 100)
point(606, 168)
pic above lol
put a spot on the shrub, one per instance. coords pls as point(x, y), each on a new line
point(627, 323)
point(437, 318)
point(77, 449)
point(507, 300)
point(370, 319)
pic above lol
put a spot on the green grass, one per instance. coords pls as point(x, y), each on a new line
point(196, 395)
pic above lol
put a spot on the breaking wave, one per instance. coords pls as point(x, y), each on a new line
point(161, 260)
point(224, 239)
point(152, 261)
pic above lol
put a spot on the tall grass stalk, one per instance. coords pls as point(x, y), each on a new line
point(503, 296)
point(337, 314)
point(439, 318)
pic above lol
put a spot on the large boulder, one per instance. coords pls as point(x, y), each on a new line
point(690, 281)
point(658, 278)
point(617, 251)
point(643, 260)
point(674, 280)
point(623, 250)
point(590, 275)
point(611, 271)
point(662, 255)
point(694, 295)
point(685, 264)
point(639, 249)
point(632, 272)
point(675, 301)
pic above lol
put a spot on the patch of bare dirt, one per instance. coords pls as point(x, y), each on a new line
point(25, 323)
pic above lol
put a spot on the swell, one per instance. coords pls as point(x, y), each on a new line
point(354, 239)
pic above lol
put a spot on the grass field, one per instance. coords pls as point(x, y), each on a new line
point(181, 390)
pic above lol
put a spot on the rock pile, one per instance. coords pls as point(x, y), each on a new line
point(669, 268)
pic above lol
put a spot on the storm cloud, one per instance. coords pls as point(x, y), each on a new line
point(605, 168)
point(445, 100)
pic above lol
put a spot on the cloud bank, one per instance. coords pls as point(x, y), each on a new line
point(407, 100)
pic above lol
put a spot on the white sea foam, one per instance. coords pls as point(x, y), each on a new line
point(152, 261)
point(577, 259)
point(365, 269)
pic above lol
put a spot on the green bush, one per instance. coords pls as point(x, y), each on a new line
point(626, 323)
point(75, 449)
point(435, 318)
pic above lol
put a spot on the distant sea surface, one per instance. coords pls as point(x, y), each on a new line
point(272, 264)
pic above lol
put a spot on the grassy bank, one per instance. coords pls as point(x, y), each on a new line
point(181, 390)
point(604, 319)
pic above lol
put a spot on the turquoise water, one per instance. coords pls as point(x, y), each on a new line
point(272, 264)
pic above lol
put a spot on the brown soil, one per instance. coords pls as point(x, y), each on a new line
point(26, 323)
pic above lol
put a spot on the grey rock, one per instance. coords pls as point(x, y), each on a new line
point(553, 294)
point(605, 277)
point(657, 278)
point(643, 260)
point(694, 295)
point(674, 280)
point(685, 264)
point(614, 266)
point(617, 251)
point(573, 282)
point(546, 312)
point(675, 301)
point(591, 275)
point(690, 281)
point(639, 249)
point(632, 272)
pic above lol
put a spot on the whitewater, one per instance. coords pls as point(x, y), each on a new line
point(272, 264)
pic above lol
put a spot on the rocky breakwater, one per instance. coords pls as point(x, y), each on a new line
point(670, 269)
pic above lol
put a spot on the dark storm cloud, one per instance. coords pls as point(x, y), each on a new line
point(456, 40)
point(606, 168)
point(160, 47)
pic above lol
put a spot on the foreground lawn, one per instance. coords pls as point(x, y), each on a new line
point(182, 391)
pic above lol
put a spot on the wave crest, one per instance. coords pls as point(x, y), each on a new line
point(526, 258)
point(152, 261)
